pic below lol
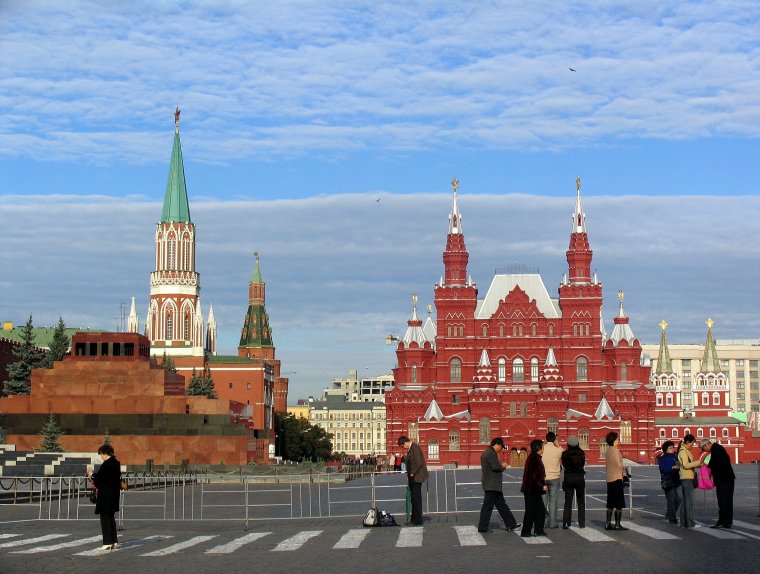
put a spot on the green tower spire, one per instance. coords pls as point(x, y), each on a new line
point(176, 206)
point(664, 364)
point(710, 362)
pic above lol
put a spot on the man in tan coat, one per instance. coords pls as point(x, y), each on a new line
point(552, 458)
point(417, 473)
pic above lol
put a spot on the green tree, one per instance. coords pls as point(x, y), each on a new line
point(59, 346)
point(168, 364)
point(300, 441)
point(107, 437)
point(51, 436)
point(29, 357)
point(201, 385)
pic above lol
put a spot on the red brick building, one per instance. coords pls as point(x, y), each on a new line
point(519, 362)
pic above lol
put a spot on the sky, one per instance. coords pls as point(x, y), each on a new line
point(297, 117)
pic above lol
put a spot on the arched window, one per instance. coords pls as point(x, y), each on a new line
point(484, 431)
point(501, 330)
point(581, 369)
point(455, 370)
point(583, 438)
point(523, 409)
point(669, 400)
point(534, 370)
point(433, 449)
point(625, 432)
point(453, 440)
point(485, 330)
point(518, 373)
point(502, 371)
point(533, 329)
point(513, 409)
point(705, 399)
point(414, 373)
point(659, 400)
point(623, 372)
point(716, 398)
point(700, 433)
point(552, 425)
point(602, 448)
point(713, 433)
point(551, 329)
point(662, 433)
point(575, 329)
point(171, 247)
point(725, 432)
point(514, 330)
point(169, 328)
point(185, 255)
point(187, 326)
point(674, 433)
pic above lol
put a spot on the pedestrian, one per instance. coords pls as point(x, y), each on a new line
point(491, 479)
point(670, 481)
point(533, 487)
point(615, 473)
point(107, 481)
point(416, 473)
point(686, 473)
point(724, 478)
point(574, 484)
point(552, 459)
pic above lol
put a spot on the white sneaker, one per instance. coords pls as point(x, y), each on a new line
point(114, 545)
point(697, 526)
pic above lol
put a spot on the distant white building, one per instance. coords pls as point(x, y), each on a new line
point(352, 389)
point(357, 427)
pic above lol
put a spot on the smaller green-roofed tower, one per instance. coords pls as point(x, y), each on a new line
point(256, 337)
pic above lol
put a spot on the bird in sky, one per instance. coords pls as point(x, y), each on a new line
point(377, 200)
point(571, 69)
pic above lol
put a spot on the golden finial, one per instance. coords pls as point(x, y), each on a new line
point(256, 255)
point(414, 298)
point(455, 184)
point(709, 323)
point(663, 324)
point(578, 184)
point(621, 295)
point(176, 119)
point(430, 308)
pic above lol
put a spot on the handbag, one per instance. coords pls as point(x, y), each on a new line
point(94, 495)
point(667, 484)
point(705, 479)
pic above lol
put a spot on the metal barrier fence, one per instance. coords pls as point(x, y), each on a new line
point(268, 497)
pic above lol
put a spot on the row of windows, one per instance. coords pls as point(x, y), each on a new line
point(348, 416)
point(725, 363)
point(361, 436)
point(675, 433)
point(518, 370)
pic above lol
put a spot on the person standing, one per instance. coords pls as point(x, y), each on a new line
point(552, 458)
point(533, 488)
point(670, 481)
point(574, 462)
point(491, 479)
point(724, 479)
point(107, 481)
point(615, 473)
point(686, 473)
point(417, 473)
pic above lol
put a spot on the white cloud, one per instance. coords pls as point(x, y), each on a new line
point(340, 269)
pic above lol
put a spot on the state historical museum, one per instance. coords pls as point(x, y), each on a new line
point(519, 362)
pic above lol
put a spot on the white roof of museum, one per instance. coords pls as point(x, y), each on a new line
point(504, 283)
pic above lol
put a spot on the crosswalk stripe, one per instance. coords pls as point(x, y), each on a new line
point(409, 537)
point(126, 545)
point(651, 532)
point(26, 541)
point(592, 534)
point(295, 542)
point(534, 539)
point(722, 534)
point(2, 536)
point(58, 546)
point(746, 525)
point(352, 539)
point(469, 536)
point(237, 543)
point(174, 548)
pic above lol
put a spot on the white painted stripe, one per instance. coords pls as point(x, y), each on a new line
point(2, 536)
point(295, 542)
point(592, 534)
point(410, 537)
point(174, 548)
point(58, 546)
point(352, 539)
point(469, 536)
point(237, 543)
point(26, 541)
point(746, 525)
point(534, 539)
point(719, 533)
point(126, 545)
point(651, 532)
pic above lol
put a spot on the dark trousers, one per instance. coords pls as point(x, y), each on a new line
point(415, 489)
point(673, 502)
point(495, 498)
point(724, 490)
point(108, 528)
point(574, 485)
point(535, 513)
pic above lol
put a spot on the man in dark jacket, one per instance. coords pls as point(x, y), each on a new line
point(493, 470)
point(417, 473)
point(724, 478)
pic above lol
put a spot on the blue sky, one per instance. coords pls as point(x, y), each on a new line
point(297, 116)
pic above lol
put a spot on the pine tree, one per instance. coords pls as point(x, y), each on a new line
point(168, 364)
point(29, 357)
point(195, 387)
point(59, 346)
point(208, 385)
point(107, 437)
point(51, 436)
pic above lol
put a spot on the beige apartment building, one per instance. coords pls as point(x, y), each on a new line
point(739, 360)
point(357, 427)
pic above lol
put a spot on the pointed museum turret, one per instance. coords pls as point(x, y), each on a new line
point(667, 383)
point(711, 393)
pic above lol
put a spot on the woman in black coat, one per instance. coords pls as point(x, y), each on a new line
point(108, 484)
point(533, 486)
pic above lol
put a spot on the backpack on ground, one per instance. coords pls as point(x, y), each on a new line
point(370, 519)
point(386, 519)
